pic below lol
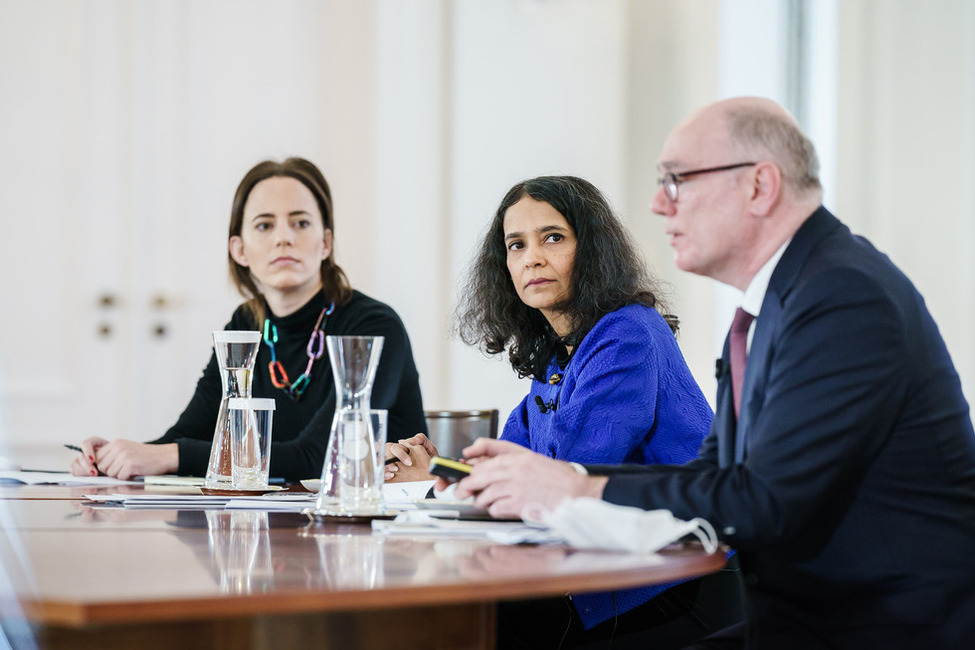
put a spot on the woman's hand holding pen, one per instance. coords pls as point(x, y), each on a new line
point(124, 458)
point(409, 459)
point(84, 463)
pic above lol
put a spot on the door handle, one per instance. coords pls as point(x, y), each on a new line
point(107, 300)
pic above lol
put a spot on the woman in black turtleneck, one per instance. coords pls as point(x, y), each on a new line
point(280, 256)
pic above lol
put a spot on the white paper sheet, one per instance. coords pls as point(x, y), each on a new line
point(287, 502)
point(158, 500)
point(421, 523)
point(400, 496)
point(170, 479)
point(60, 478)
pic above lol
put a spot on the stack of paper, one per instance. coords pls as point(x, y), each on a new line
point(286, 502)
point(180, 501)
point(283, 501)
point(58, 478)
point(420, 523)
point(398, 496)
point(178, 481)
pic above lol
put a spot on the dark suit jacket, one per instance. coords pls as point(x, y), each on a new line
point(848, 486)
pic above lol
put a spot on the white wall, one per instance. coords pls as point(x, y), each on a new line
point(126, 126)
point(906, 150)
point(672, 58)
point(537, 88)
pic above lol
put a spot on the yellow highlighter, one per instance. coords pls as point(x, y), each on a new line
point(449, 469)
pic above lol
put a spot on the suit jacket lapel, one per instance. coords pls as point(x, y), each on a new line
point(756, 369)
point(784, 277)
point(724, 419)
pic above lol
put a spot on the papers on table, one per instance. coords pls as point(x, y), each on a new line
point(59, 478)
point(180, 481)
point(287, 501)
point(419, 523)
point(64, 478)
point(180, 501)
point(397, 496)
point(400, 496)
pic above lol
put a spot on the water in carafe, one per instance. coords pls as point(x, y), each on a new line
point(352, 475)
point(236, 353)
point(361, 490)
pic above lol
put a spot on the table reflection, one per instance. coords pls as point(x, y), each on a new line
point(247, 551)
point(256, 552)
point(351, 559)
point(95, 575)
point(240, 546)
point(354, 557)
point(498, 561)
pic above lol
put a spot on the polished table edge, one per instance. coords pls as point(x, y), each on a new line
point(71, 613)
point(683, 563)
point(60, 492)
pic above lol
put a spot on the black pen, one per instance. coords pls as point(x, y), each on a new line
point(81, 451)
point(393, 459)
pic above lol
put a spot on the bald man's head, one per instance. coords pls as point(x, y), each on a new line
point(759, 128)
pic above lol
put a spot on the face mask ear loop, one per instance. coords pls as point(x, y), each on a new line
point(705, 533)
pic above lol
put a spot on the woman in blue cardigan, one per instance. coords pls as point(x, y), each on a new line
point(558, 285)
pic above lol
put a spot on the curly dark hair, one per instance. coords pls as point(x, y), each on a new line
point(334, 281)
point(607, 274)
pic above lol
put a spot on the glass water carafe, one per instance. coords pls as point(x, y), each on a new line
point(352, 476)
point(236, 353)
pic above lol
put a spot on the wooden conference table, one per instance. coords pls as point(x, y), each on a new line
point(217, 579)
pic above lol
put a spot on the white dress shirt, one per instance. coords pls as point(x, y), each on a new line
point(754, 296)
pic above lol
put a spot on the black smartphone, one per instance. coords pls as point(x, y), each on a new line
point(449, 469)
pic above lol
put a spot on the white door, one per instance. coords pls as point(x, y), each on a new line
point(124, 130)
point(111, 283)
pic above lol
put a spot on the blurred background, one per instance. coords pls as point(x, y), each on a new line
point(125, 127)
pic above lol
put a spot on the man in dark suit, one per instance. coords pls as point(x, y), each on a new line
point(846, 480)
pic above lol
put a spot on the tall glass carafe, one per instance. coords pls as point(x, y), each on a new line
point(352, 476)
point(236, 353)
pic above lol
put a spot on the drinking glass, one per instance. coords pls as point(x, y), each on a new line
point(250, 446)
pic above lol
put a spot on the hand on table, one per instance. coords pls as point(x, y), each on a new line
point(506, 477)
point(124, 459)
point(413, 462)
point(84, 463)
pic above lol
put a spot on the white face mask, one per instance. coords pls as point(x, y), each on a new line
point(595, 524)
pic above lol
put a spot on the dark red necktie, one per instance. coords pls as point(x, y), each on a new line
point(737, 343)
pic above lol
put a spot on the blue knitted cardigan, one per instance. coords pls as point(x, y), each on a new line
point(625, 396)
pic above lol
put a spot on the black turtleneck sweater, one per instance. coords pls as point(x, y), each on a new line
point(300, 430)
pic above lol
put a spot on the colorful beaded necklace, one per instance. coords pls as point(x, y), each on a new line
point(315, 348)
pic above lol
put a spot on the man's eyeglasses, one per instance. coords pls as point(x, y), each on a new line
point(671, 180)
